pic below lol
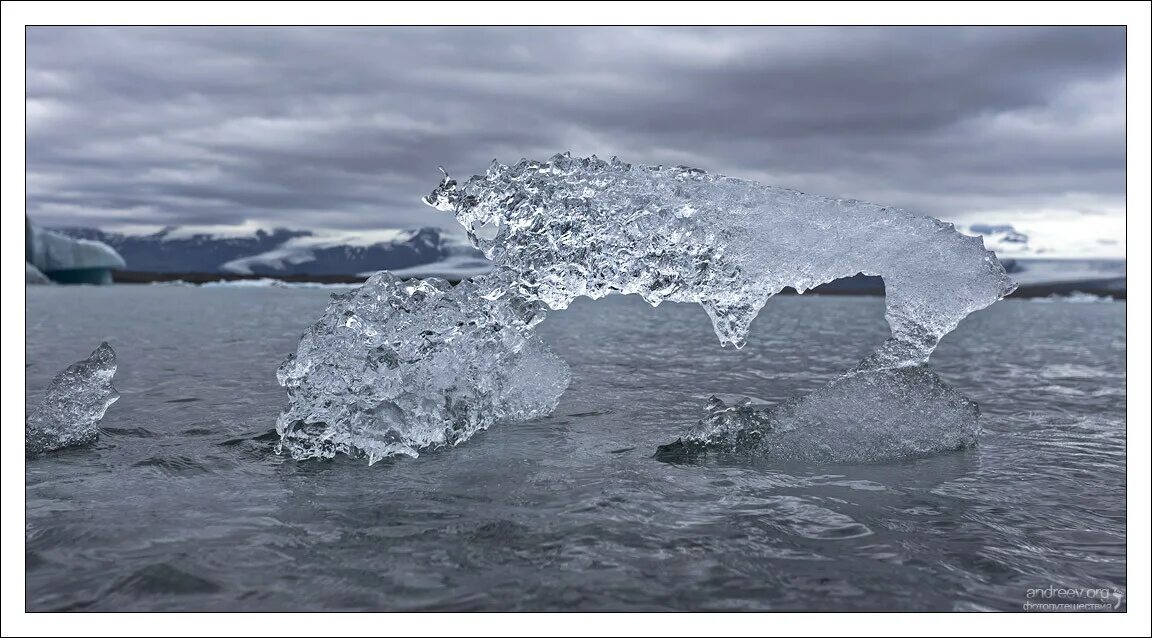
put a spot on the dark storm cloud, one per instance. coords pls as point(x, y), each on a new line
point(344, 128)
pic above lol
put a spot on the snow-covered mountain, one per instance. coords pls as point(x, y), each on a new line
point(281, 251)
point(1056, 238)
point(459, 261)
point(426, 252)
point(1029, 263)
point(1004, 239)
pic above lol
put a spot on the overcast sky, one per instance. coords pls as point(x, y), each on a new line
point(344, 127)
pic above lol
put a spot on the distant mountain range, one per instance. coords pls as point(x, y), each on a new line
point(301, 255)
point(281, 252)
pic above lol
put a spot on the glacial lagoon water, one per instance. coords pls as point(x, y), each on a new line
point(183, 505)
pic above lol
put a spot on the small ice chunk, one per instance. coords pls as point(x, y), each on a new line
point(871, 416)
point(394, 367)
point(73, 404)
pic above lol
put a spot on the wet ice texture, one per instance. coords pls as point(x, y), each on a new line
point(395, 366)
point(583, 226)
point(568, 227)
point(73, 405)
point(871, 416)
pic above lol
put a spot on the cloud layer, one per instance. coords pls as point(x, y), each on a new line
point(344, 127)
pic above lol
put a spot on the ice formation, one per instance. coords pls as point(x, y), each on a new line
point(871, 416)
point(33, 276)
point(395, 366)
point(585, 226)
point(52, 251)
point(61, 258)
point(73, 404)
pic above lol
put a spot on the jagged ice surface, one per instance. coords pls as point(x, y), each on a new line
point(869, 416)
point(568, 227)
point(585, 226)
point(395, 366)
point(73, 404)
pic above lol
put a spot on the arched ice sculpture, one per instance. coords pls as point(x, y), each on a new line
point(571, 227)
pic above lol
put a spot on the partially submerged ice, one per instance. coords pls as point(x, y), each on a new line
point(573, 227)
point(52, 257)
point(73, 405)
point(396, 366)
point(870, 416)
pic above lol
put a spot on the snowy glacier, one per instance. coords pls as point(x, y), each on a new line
point(73, 404)
point(398, 366)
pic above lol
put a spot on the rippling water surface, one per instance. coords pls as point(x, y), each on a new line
point(184, 506)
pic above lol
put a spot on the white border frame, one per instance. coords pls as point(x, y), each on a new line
point(1133, 14)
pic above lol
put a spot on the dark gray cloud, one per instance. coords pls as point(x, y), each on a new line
point(344, 127)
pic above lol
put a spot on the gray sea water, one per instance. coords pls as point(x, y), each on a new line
point(183, 505)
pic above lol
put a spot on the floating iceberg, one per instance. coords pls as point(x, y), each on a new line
point(398, 366)
point(395, 366)
point(73, 404)
point(67, 260)
point(33, 276)
point(871, 416)
point(583, 226)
